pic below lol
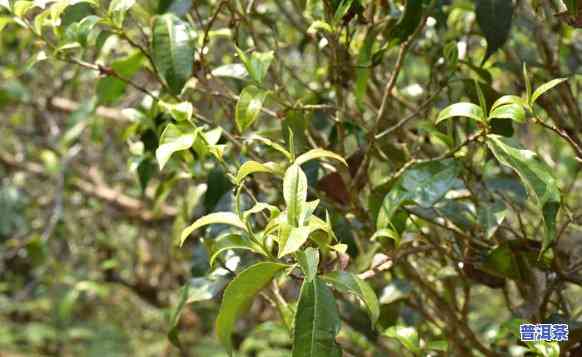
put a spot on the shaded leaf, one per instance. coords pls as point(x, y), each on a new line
point(409, 21)
point(494, 18)
point(238, 297)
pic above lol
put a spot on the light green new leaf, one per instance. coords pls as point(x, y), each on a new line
point(462, 109)
point(509, 111)
point(349, 283)
point(251, 167)
point(535, 174)
point(239, 295)
point(387, 233)
point(182, 111)
point(271, 144)
point(229, 242)
point(545, 87)
point(257, 64)
point(231, 70)
point(292, 238)
point(407, 336)
point(212, 218)
point(120, 5)
point(294, 192)
point(318, 154)
point(173, 139)
point(509, 99)
point(317, 322)
point(249, 106)
point(308, 260)
point(173, 50)
point(319, 25)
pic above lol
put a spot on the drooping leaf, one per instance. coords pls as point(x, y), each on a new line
point(229, 242)
point(350, 283)
point(308, 260)
point(239, 295)
point(494, 18)
point(174, 138)
point(535, 174)
point(249, 106)
point(318, 154)
point(462, 109)
point(294, 192)
point(546, 87)
point(228, 218)
point(173, 50)
point(317, 322)
point(251, 167)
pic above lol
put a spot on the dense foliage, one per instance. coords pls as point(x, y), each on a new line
point(304, 177)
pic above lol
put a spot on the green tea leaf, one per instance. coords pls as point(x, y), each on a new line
point(292, 238)
point(173, 50)
point(318, 154)
point(308, 261)
point(228, 218)
point(294, 192)
point(406, 335)
point(349, 283)
point(462, 109)
point(239, 295)
point(174, 138)
point(257, 64)
point(509, 111)
point(409, 21)
point(545, 87)
point(182, 111)
point(229, 242)
point(251, 167)
point(536, 175)
point(249, 106)
point(317, 322)
point(494, 18)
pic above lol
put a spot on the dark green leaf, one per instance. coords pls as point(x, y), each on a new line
point(409, 21)
point(239, 295)
point(317, 322)
point(173, 50)
point(494, 18)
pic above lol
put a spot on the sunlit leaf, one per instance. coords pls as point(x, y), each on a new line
point(546, 87)
point(239, 295)
point(468, 110)
point(173, 139)
point(228, 218)
point(249, 107)
point(173, 50)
